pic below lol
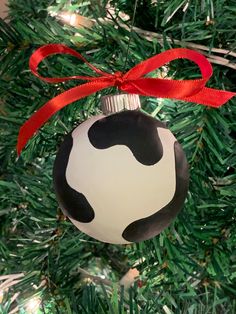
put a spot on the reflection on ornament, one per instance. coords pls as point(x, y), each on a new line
point(123, 177)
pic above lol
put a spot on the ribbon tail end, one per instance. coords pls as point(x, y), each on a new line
point(21, 141)
point(211, 97)
point(19, 148)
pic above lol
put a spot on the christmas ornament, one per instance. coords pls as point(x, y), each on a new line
point(123, 177)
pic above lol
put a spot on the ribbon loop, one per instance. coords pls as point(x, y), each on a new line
point(48, 50)
point(131, 82)
point(167, 56)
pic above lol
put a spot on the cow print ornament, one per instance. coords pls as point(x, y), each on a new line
point(121, 177)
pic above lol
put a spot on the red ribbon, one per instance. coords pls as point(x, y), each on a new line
point(132, 82)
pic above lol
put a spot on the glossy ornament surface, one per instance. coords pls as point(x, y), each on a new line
point(121, 178)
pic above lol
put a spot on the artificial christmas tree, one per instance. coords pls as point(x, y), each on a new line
point(46, 264)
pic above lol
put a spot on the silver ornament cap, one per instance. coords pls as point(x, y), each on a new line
point(115, 103)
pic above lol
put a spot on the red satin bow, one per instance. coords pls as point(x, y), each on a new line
point(131, 82)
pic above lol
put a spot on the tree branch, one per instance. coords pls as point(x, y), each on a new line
point(79, 21)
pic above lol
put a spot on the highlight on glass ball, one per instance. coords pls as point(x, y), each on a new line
point(121, 176)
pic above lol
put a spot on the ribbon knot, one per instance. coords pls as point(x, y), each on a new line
point(119, 79)
point(136, 83)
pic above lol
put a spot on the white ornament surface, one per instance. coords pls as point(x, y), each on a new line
point(120, 189)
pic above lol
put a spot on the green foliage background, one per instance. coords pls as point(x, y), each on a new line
point(191, 266)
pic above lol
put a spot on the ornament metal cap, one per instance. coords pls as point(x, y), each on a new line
point(116, 103)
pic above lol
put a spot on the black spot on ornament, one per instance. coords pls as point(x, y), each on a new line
point(148, 227)
point(133, 129)
point(73, 203)
point(122, 177)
